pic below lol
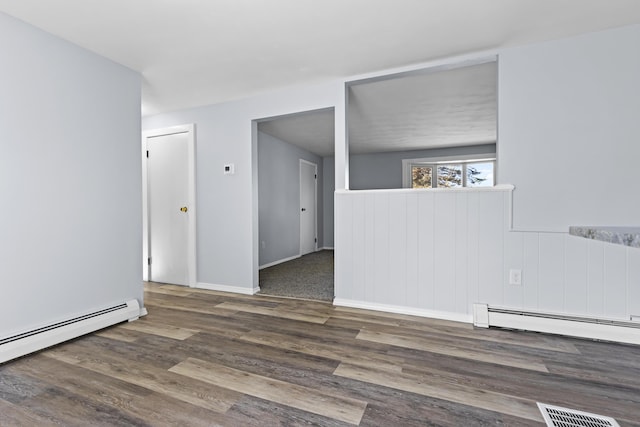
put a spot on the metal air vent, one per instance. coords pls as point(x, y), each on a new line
point(556, 416)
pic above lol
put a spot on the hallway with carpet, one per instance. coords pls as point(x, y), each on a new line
point(308, 277)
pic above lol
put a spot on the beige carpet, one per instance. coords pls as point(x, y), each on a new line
point(308, 277)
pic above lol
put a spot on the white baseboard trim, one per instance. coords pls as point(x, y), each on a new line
point(326, 248)
point(143, 311)
point(280, 261)
point(411, 311)
point(227, 288)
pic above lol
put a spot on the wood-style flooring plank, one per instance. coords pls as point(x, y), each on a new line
point(261, 412)
point(455, 351)
point(532, 385)
point(446, 390)
point(436, 412)
point(134, 401)
point(354, 355)
point(189, 305)
point(394, 318)
point(480, 335)
point(12, 415)
point(155, 379)
point(206, 322)
point(318, 331)
point(63, 407)
point(329, 405)
point(275, 312)
point(169, 290)
point(265, 361)
point(119, 334)
point(14, 387)
point(156, 328)
point(576, 372)
point(247, 356)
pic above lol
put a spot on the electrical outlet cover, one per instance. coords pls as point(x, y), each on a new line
point(515, 277)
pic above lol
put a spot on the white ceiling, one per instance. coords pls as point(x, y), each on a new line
point(443, 108)
point(447, 108)
point(312, 130)
point(199, 52)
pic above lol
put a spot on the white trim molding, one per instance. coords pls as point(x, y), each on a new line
point(226, 288)
point(280, 261)
point(495, 188)
point(442, 315)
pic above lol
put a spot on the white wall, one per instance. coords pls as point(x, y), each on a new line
point(279, 198)
point(328, 188)
point(568, 126)
point(542, 128)
point(227, 252)
point(430, 252)
point(437, 252)
point(564, 107)
point(568, 274)
point(70, 223)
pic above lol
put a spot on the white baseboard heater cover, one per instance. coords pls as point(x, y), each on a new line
point(46, 336)
point(577, 326)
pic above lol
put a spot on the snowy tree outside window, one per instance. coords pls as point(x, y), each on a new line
point(452, 175)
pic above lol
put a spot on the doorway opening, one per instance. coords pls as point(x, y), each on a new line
point(295, 186)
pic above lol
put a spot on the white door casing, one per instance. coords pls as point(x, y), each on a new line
point(169, 209)
point(308, 207)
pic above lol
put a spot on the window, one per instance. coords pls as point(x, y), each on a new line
point(448, 173)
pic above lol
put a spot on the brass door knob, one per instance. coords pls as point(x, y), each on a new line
point(183, 209)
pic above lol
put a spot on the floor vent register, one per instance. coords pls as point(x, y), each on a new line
point(556, 416)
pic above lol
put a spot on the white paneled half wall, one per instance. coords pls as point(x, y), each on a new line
point(437, 252)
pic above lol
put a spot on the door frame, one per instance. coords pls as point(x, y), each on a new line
point(189, 129)
point(315, 203)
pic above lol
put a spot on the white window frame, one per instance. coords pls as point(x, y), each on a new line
point(434, 162)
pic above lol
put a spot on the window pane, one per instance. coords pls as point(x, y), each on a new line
point(449, 176)
point(421, 176)
point(480, 174)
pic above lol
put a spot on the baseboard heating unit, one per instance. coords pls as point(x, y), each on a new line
point(46, 336)
point(485, 316)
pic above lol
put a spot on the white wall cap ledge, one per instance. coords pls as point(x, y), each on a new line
point(501, 187)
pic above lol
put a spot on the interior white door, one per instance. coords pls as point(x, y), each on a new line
point(308, 210)
point(168, 195)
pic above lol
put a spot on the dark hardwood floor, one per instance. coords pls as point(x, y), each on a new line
point(203, 358)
